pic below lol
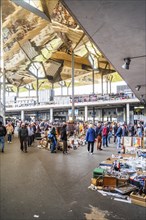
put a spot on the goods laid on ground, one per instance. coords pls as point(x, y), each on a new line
point(73, 142)
point(122, 176)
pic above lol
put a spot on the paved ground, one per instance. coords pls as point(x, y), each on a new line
point(48, 186)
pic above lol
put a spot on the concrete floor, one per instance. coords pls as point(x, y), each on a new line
point(48, 186)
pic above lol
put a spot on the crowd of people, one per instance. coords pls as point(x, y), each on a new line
point(98, 135)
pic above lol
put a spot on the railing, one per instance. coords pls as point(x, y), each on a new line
point(66, 100)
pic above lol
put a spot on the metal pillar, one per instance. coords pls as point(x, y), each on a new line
point(2, 68)
point(51, 115)
point(4, 97)
point(37, 90)
point(101, 83)
point(127, 113)
point(93, 93)
point(22, 115)
point(86, 113)
point(102, 115)
point(61, 90)
point(93, 80)
point(110, 82)
point(52, 93)
point(106, 84)
point(124, 114)
point(17, 93)
point(73, 107)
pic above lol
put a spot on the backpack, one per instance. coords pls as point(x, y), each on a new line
point(24, 132)
point(2, 131)
point(50, 136)
point(104, 131)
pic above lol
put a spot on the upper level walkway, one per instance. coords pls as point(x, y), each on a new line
point(99, 103)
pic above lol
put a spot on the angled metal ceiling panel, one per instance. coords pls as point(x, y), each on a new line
point(118, 28)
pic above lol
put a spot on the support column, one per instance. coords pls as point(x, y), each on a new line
point(22, 115)
point(86, 113)
point(4, 96)
point(127, 113)
point(106, 84)
point(73, 107)
point(61, 90)
point(37, 90)
point(101, 83)
point(51, 115)
point(110, 81)
point(102, 114)
point(124, 114)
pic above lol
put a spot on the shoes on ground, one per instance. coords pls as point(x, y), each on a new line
point(2, 151)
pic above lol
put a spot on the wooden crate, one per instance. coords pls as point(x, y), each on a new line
point(138, 200)
point(109, 181)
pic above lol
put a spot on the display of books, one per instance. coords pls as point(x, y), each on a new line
point(127, 141)
point(130, 150)
point(136, 141)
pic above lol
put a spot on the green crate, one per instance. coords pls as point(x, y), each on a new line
point(98, 172)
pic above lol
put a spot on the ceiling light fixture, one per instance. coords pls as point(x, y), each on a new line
point(138, 87)
point(128, 60)
point(126, 64)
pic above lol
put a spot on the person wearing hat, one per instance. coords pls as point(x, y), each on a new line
point(2, 135)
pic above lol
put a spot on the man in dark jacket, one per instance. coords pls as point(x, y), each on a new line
point(2, 135)
point(90, 138)
point(23, 136)
point(64, 138)
point(118, 135)
point(98, 132)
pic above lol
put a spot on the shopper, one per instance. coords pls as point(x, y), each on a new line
point(10, 130)
point(3, 132)
point(64, 138)
point(23, 136)
point(30, 134)
point(90, 138)
point(140, 130)
point(115, 127)
point(118, 135)
point(53, 139)
point(131, 129)
point(98, 132)
point(104, 135)
point(110, 134)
